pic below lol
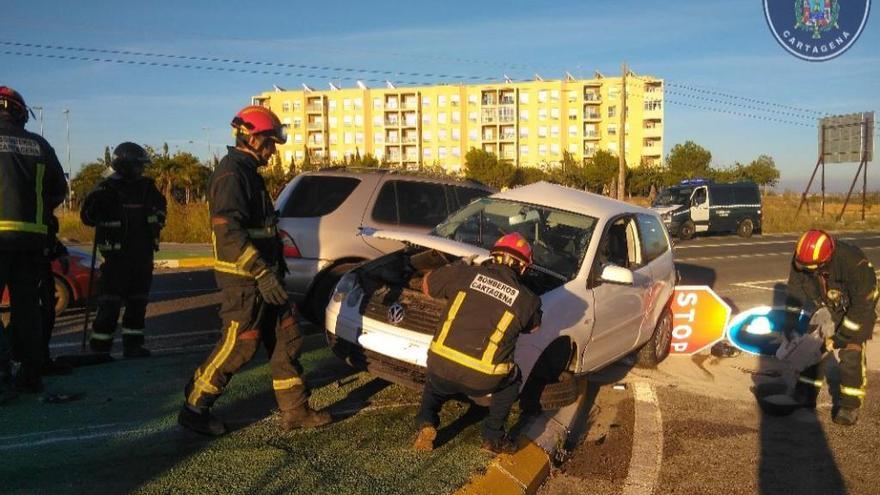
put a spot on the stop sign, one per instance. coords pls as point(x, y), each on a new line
point(699, 318)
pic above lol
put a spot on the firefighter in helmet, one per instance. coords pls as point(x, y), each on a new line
point(472, 351)
point(829, 273)
point(32, 185)
point(128, 212)
point(249, 268)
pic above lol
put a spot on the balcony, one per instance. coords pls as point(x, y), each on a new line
point(410, 140)
point(653, 132)
point(507, 100)
point(315, 126)
point(410, 104)
point(592, 135)
point(592, 98)
point(315, 108)
point(592, 116)
point(652, 150)
point(392, 122)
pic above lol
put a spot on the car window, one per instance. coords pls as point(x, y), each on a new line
point(465, 195)
point(653, 236)
point(421, 204)
point(315, 195)
point(621, 245)
point(699, 196)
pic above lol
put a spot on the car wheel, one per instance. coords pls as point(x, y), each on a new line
point(321, 292)
point(657, 348)
point(686, 231)
point(62, 296)
point(745, 228)
point(560, 394)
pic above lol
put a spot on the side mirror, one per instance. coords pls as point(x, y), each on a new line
point(616, 275)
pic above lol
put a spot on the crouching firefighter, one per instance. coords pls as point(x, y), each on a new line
point(472, 351)
point(248, 268)
point(128, 212)
point(832, 274)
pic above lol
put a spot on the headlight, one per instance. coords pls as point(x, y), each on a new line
point(344, 286)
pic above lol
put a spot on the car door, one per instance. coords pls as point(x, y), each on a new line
point(619, 308)
point(700, 209)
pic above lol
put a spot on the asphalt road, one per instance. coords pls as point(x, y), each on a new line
point(713, 437)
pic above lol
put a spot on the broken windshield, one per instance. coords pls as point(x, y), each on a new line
point(559, 238)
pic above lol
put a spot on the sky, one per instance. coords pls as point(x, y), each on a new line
point(723, 46)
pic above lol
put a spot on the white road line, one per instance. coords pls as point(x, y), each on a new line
point(757, 284)
point(762, 243)
point(647, 449)
point(752, 255)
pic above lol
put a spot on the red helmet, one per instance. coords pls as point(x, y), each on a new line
point(255, 119)
point(12, 102)
point(513, 246)
point(814, 248)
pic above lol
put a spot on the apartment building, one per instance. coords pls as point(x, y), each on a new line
point(528, 123)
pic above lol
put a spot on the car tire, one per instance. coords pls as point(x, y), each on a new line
point(62, 295)
point(657, 348)
point(686, 230)
point(319, 297)
point(745, 228)
point(560, 394)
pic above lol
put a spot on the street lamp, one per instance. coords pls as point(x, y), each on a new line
point(40, 109)
point(66, 113)
point(208, 140)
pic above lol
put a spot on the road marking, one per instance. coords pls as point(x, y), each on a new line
point(761, 243)
point(757, 284)
point(752, 255)
point(647, 449)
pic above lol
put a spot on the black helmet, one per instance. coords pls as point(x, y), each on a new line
point(12, 103)
point(129, 160)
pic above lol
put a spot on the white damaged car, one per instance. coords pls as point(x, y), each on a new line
point(603, 269)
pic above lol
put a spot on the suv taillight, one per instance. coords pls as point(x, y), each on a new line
point(290, 249)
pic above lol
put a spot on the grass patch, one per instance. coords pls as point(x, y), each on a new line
point(366, 451)
point(185, 223)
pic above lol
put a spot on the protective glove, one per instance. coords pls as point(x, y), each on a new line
point(271, 289)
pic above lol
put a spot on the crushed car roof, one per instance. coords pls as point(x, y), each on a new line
point(574, 200)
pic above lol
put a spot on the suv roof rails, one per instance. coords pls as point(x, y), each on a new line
point(414, 173)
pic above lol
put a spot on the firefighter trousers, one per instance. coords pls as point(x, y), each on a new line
point(124, 281)
point(247, 320)
point(19, 271)
point(47, 299)
point(853, 380)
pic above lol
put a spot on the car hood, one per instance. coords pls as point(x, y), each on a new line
point(662, 210)
point(429, 241)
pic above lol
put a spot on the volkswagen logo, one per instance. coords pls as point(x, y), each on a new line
point(396, 313)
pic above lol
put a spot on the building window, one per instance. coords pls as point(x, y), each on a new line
point(377, 120)
point(348, 138)
point(297, 106)
point(377, 103)
point(554, 148)
point(334, 154)
point(332, 105)
point(472, 99)
point(298, 138)
point(456, 117)
point(441, 152)
point(614, 92)
point(554, 94)
point(542, 114)
point(542, 131)
point(542, 96)
point(378, 137)
point(572, 96)
point(453, 100)
point(441, 118)
point(332, 138)
point(523, 150)
point(456, 151)
point(523, 97)
point(426, 101)
point(285, 107)
point(472, 135)
point(524, 115)
point(346, 120)
point(426, 136)
point(612, 111)
point(441, 100)
point(346, 103)
point(359, 120)
point(441, 134)
point(572, 114)
point(572, 130)
point(297, 123)
point(573, 148)
point(472, 116)
point(332, 121)
point(554, 113)
point(612, 147)
point(523, 132)
point(426, 119)
point(542, 149)
point(427, 152)
point(358, 102)
point(359, 138)
point(612, 130)
point(456, 134)
point(653, 105)
point(554, 130)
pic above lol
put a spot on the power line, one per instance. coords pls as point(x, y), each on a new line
point(746, 107)
point(129, 53)
point(739, 114)
point(745, 98)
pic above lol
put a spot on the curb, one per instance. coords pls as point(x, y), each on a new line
point(203, 262)
point(519, 473)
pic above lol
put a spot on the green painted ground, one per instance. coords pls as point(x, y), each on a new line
point(122, 437)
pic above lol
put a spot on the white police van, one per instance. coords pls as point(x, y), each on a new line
point(701, 205)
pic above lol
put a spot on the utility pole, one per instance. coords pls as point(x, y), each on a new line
point(40, 109)
point(208, 140)
point(621, 172)
point(66, 113)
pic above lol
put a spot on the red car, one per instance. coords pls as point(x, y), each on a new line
point(72, 285)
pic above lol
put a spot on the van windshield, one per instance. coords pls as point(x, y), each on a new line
point(673, 196)
point(559, 238)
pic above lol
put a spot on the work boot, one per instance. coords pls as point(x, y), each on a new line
point(202, 422)
point(53, 367)
point(28, 382)
point(304, 417)
point(846, 416)
point(501, 445)
point(7, 389)
point(135, 351)
point(425, 440)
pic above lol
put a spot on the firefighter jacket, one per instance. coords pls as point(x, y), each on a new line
point(32, 185)
point(127, 214)
point(243, 222)
point(847, 286)
point(487, 308)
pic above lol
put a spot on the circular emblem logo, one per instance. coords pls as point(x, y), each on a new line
point(396, 313)
point(816, 30)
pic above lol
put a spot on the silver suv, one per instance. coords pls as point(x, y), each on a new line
point(322, 214)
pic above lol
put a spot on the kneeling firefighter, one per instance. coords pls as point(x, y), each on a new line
point(128, 212)
point(472, 351)
point(248, 268)
point(835, 275)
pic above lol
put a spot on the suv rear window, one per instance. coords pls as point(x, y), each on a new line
point(316, 196)
point(411, 203)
